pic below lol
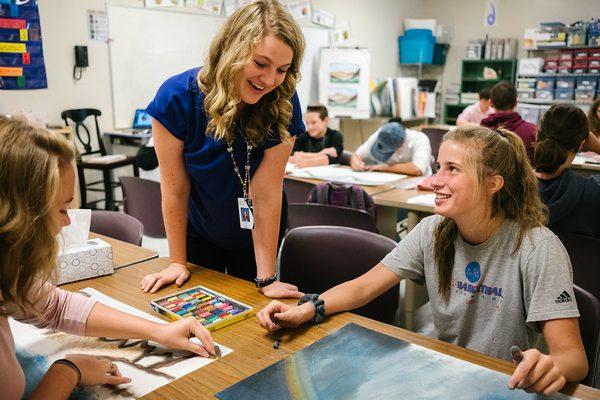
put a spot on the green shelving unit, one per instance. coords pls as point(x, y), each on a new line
point(472, 81)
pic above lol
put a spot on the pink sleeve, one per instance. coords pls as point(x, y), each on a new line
point(467, 114)
point(59, 309)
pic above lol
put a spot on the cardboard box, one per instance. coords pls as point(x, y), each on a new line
point(87, 261)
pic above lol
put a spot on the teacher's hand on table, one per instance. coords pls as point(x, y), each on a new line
point(176, 335)
point(281, 290)
point(177, 273)
point(277, 315)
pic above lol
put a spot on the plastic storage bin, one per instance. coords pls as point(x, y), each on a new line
point(564, 94)
point(584, 95)
point(587, 83)
point(544, 94)
point(545, 83)
point(440, 51)
point(526, 94)
point(564, 82)
point(416, 46)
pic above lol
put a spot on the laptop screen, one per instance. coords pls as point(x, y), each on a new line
point(142, 120)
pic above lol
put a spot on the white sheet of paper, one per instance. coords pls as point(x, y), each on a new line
point(424, 199)
point(346, 175)
point(134, 359)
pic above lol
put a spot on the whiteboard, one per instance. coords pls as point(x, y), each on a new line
point(147, 46)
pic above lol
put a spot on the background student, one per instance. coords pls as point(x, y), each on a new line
point(319, 145)
point(504, 101)
point(594, 118)
point(393, 148)
point(492, 269)
point(573, 200)
point(222, 136)
point(36, 186)
point(473, 114)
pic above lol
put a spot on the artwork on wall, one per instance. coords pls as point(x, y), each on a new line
point(149, 365)
point(21, 54)
point(344, 82)
point(359, 363)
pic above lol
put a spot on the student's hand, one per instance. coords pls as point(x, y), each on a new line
point(377, 167)
point(329, 151)
point(537, 373)
point(356, 163)
point(277, 315)
point(175, 272)
point(281, 290)
point(176, 335)
point(97, 370)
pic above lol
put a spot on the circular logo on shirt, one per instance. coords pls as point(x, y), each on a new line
point(473, 271)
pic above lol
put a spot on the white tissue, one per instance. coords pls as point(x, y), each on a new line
point(76, 234)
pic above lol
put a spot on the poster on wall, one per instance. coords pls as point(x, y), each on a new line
point(490, 18)
point(344, 82)
point(21, 54)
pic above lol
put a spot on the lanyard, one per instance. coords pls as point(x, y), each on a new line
point(245, 181)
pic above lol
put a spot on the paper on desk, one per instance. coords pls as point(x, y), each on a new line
point(149, 365)
point(586, 157)
point(346, 175)
point(423, 199)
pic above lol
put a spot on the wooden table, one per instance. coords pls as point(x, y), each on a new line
point(369, 189)
point(253, 347)
point(586, 169)
point(126, 254)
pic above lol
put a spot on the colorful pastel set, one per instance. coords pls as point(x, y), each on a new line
point(211, 308)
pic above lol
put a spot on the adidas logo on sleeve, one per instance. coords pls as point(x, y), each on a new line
point(563, 298)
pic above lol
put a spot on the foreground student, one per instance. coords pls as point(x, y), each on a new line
point(222, 136)
point(495, 275)
point(392, 148)
point(319, 145)
point(36, 187)
point(573, 200)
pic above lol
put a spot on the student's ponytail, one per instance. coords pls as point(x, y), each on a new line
point(562, 130)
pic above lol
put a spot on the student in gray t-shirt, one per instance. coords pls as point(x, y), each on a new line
point(496, 276)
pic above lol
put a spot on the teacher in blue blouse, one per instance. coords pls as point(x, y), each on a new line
point(223, 134)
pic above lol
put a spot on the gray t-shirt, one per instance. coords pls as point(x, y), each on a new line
point(496, 297)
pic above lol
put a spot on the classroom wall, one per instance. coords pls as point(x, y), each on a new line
point(513, 17)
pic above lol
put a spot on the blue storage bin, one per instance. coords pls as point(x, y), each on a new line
point(587, 83)
point(545, 83)
point(564, 94)
point(564, 82)
point(416, 46)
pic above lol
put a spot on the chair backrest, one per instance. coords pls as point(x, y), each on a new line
point(342, 195)
point(589, 326)
point(316, 258)
point(345, 158)
point(142, 199)
point(297, 191)
point(584, 252)
point(435, 136)
point(82, 132)
point(117, 226)
point(321, 214)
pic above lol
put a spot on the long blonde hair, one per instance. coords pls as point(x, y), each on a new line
point(30, 162)
point(230, 51)
point(489, 153)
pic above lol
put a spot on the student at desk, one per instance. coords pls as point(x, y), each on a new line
point(319, 145)
point(394, 149)
point(36, 186)
point(473, 114)
point(493, 271)
point(573, 200)
point(223, 134)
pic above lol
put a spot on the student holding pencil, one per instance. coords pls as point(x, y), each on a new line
point(223, 134)
point(36, 187)
point(495, 275)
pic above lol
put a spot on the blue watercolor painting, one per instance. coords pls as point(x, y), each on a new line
point(358, 363)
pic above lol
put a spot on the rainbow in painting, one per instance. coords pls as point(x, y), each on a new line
point(212, 309)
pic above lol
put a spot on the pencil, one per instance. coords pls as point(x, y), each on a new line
point(217, 351)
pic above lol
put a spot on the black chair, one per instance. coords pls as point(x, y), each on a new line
point(142, 200)
point(345, 158)
point(321, 214)
point(316, 258)
point(297, 191)
point(82, 132)
point(435, 136)
point(584, 252)
point(117, 226)
point(589, 326)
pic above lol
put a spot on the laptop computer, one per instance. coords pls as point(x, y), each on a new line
point(141, 120)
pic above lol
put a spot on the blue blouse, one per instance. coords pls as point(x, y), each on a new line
point(215, 187)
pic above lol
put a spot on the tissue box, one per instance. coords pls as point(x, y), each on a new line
point(87, 261)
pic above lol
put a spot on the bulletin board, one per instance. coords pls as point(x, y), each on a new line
point(21, 54)
point(149, 45)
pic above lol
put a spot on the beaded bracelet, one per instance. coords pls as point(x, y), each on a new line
point(72, 365)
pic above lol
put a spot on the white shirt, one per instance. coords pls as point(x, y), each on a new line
point(416, 149)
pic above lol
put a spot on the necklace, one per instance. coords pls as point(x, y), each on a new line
point(246, 180)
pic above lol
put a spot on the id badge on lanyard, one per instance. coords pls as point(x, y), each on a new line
point(246, 213)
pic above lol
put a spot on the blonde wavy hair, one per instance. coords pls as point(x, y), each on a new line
point(492, 152)
point(230, 51)
point(30, 162)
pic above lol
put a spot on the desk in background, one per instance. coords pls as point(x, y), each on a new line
point(253, 347)
point(586, 169)
point(124, 137)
